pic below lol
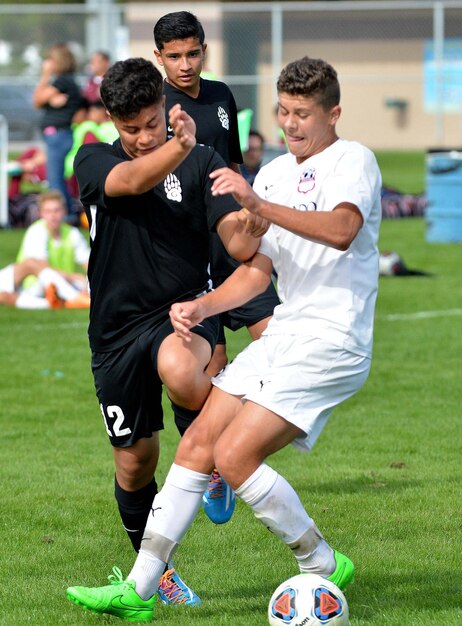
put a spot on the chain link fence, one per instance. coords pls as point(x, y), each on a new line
point(399, 62)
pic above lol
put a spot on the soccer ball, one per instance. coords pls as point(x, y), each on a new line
point(308, 600)
point(390, 264)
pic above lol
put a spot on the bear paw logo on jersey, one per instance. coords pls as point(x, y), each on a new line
point(173, 188)
point(307, 181)
point(223, 117)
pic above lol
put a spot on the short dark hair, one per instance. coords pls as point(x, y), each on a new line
point(178, 25)
point(312, 78)
point(129, 86)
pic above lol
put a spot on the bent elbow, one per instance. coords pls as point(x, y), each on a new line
point(242, 253)
point(344, 240)
point(343, 245)
point(241, 256)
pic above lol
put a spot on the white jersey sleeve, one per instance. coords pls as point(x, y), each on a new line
point(35, 242)
point(81, 247)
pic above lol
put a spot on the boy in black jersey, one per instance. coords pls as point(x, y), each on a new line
point(150, 210)
point(179, 38)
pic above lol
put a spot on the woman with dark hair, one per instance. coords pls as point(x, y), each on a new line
point(58, 95)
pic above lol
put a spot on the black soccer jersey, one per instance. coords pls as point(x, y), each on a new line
point(215, 114)
point(147, 251)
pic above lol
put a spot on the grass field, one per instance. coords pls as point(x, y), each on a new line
point(383, 482)
point(403, 170)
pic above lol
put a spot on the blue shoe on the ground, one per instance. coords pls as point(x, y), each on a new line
point(173, 590)
point(219, 499)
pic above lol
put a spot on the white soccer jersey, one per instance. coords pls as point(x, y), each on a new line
point(324, 292)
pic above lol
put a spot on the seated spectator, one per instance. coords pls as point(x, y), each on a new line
point(40, 296)
point(253, 156)
point(29, 166)
point(51, 253)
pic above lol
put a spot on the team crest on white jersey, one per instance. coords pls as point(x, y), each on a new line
point(223, 117)
point(307, 181)
point(173, 188)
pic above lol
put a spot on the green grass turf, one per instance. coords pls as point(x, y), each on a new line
point(383, 482)
point(404, 171)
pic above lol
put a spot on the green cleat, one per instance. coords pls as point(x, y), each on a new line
point(344, 573)
point(119, 599)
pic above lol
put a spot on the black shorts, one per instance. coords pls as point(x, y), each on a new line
point(128, 386)
point(254, 311)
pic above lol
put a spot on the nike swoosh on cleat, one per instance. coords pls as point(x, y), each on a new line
point(117, 603)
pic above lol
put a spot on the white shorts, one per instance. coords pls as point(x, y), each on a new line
point(7, 283)
point(7, 279)
point(300, 378)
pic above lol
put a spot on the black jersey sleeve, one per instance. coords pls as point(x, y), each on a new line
point(208, 160)
point(92, 164)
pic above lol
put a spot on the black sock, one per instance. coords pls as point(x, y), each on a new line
point(183, 417)
point(134, 508)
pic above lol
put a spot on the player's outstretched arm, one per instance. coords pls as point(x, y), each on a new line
point(183, 126)
point(226, 181)
point(336, 228)
point(134, 177)
point(247, 281)
point(239, 232)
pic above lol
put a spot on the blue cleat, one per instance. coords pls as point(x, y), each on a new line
point(219, 499)
point(172, 590)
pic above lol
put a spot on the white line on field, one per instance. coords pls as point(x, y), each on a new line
point(420, 315)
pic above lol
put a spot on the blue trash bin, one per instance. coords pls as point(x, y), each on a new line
point(444, 196)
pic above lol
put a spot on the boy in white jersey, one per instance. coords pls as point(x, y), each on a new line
point(323, 203)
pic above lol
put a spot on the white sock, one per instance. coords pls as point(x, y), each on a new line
point(146, 573)
point(27, 301)
point(173, 511)
point(320, 561)
point(276, 504)
point(65, 290)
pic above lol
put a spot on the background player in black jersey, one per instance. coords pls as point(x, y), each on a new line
point(181, 47)
point(150, 210)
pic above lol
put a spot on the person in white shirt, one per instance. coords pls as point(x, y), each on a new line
point(323, 203)
point(52, 255)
